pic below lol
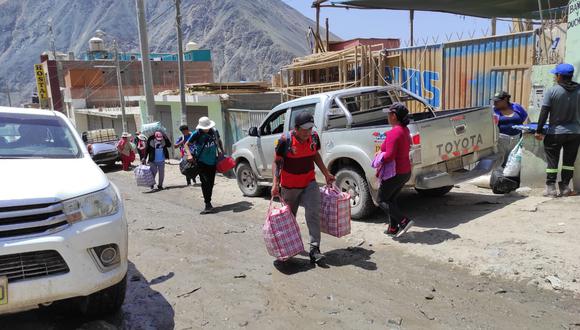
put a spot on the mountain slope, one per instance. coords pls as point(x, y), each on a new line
point(249, 39)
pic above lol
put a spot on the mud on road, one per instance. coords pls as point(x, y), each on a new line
point(455, 269)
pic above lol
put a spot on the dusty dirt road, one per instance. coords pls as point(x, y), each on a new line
point(473, 261)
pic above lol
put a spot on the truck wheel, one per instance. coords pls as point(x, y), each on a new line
point(107, 301)
point(247, 180)
point(435, 192)
point(351, 181)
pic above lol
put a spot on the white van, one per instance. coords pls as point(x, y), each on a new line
point(63, 231)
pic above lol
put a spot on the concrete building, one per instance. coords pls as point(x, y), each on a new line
point(86, 87)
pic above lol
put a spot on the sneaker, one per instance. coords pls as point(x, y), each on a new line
point(208, 209)
point(159, 187)
point(404, 226)
point(565, 190)
point(315, 256)
point(152, 187)
point(551, 191)
point(391, 231)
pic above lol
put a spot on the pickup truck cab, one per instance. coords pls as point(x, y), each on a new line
point(449, 146)
point(63, 231)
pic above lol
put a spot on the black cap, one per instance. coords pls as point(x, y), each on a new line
point(304, 120)
point(399, 109)
point(503, 95)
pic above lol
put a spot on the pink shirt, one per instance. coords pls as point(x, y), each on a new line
point(396, 147)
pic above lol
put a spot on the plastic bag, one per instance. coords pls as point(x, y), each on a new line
point(151, 128)
point(335, 211)
point(514, 163)
point(144, 176)
point(282, 233)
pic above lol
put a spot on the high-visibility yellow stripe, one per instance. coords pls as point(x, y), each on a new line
point(568, 168)
point(551, 170)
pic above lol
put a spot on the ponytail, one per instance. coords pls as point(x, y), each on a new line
point(404, 121)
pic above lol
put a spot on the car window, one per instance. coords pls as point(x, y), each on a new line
point(32, 136)
point(311, 108)
point(274, 124)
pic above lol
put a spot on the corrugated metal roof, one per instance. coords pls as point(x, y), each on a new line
point(478, 8)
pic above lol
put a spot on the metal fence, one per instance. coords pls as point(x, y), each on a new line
point(237, 122)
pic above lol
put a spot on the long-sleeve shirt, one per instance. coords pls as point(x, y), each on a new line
point(506, 123)
point(397, 146)
point(562, 108)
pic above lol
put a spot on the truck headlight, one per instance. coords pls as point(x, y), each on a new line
point(98, 204)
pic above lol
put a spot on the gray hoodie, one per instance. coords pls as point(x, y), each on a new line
point(562, 107)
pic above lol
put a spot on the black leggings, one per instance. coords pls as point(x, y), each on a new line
point(388, 195)
point(553, 144)
point(207, 177)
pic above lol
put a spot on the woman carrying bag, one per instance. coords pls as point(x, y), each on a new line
point(396, 147)
point(206, 141)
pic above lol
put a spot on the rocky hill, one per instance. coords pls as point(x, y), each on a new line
point(249, 39)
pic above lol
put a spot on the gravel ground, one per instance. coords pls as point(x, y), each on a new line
point(473, 260)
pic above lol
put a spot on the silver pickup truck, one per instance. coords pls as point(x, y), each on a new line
point(449, 146)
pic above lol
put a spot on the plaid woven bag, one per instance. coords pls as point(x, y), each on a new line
point(282, 233)
point(334, 212)
point(143, 176)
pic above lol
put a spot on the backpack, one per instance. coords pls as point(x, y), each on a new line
point(288, 137)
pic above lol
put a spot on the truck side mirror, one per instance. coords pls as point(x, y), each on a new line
point(253, 131)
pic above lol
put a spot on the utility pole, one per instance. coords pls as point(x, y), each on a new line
point(412, 26)
point(145, 64)
point(493, 26)
point(52, 47)
point(120, 86)
point(180, 62)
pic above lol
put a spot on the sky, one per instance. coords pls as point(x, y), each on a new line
point(353, 23)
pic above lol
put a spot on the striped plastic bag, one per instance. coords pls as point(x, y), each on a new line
point(334, 212)
point(282, 233)
point(144, 176)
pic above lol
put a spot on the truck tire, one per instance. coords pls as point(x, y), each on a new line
point(106, 301)
point(349, 180)
point(435, 192)
point(247, 180)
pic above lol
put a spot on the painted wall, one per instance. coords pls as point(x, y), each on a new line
point(533, 158)
point(573, 38)
point(465, 73)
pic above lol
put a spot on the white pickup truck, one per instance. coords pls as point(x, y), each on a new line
point(63, 232)
point(449, 146)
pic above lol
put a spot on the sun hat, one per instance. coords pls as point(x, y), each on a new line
point(142, 137)
point(205, 123)
point(124, 135)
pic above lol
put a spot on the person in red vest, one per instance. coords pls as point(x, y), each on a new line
point(293, 170)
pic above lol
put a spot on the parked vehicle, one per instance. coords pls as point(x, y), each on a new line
point(449, 146)
point(63, 231)
point(102, 146)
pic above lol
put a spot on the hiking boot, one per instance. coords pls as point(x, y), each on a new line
point(551, 190)
point(208, 209)
point(404, 226)
point(565, 190)
point(391, 231)
point(315, 255)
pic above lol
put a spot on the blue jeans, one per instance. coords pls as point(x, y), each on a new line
point(158, 167)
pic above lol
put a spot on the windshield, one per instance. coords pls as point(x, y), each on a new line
point(33, 136)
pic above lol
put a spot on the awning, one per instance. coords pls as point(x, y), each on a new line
point(477, 8)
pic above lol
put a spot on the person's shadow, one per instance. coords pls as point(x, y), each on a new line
point(234, 207)
point(355, 256)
